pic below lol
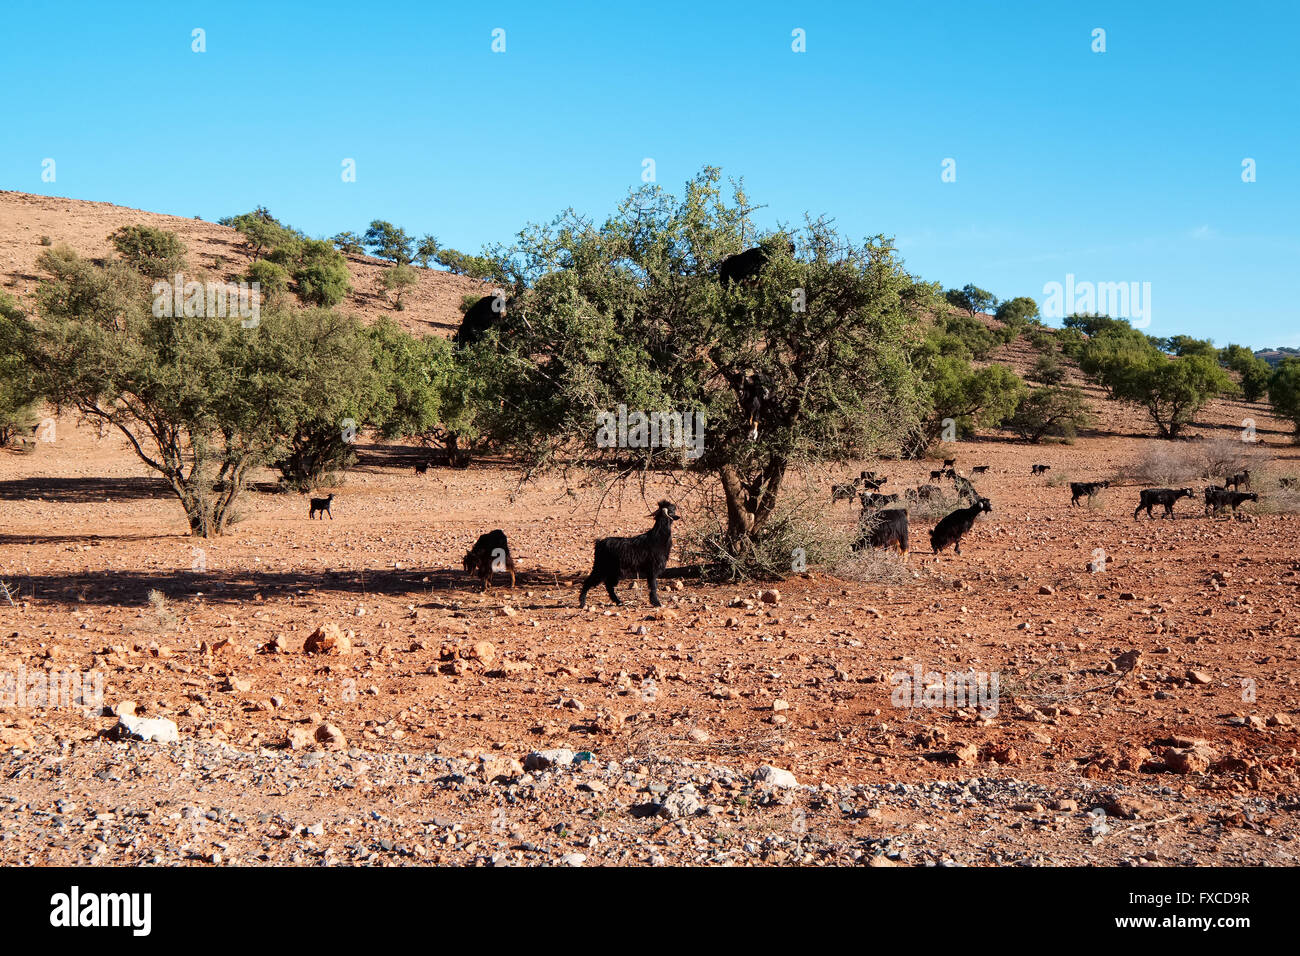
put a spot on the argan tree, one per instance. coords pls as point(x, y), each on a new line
point(19, 395)
point(187, 393)
point(811, 357)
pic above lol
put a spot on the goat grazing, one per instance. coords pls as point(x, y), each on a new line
point(955, 524)
point(646, 553)
point(1237, 480)
point(1079, 489)
point(1040, 469)
point(491, 552)
point(1216, 499)
point(979, 469)
point(1150, 497)
point(950, 463)
point(421, 467)
point(935, 475)
point(885, 529)
point(843, 492)
point(321, 505)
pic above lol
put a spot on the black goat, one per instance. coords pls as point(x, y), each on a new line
point(1040, 469)
point(479, 317)
point(936, 474)
point(744, 266)
point(755, 392)
point(1150, 497)
point(843, 492)
point(323, 506)
point(871, 481)
point(885, 529)
point(421, 467)
point(1237, 480)
point(950, 462)
point(647, 554)
point(1079, 489)
point(979, 469)
point(949, 531)
point(925, 492)
point(491, 552)
point(1216, 499)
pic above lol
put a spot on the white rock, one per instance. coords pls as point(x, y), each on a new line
point(775, 777)
point(149, 728)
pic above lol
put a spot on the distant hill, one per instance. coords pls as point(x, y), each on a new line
point(1274, 356)
point(28, 222)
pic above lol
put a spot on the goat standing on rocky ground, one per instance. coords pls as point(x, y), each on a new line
point(646, 553)
point(1150, 497)
point(1080, 489)
point(950, 530)
point(885, 529)
point(491, 552)
point(321, 505)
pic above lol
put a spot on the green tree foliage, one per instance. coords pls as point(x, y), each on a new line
point(1284, 391)
point(262, 232)
point(972, 298)
point(272, 280)
point(1114, 355)
point(154, 253)
point(972, 397)
point(1255, 372)
point(349, 243)
point(19, 394)
point(426, 250)
point(320, 273)
point(626, 312)
point(386, 241)
point(397, 280)
point(1187, 345)
point(328, 388)
point(1048, 369)
point(476, 267)
point(977, 338)
point(187, 393)
point(1057, 411)
point(1018, 312)
point(1173, 390)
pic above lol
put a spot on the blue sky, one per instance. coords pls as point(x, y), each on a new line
point(1122, 166)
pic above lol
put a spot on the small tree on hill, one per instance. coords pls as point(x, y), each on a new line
point(386, 241)
point(154, 253)
point(397, 280)
point(1051, 411)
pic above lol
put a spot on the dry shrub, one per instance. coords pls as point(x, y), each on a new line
point(1273, 498)
point(1175, 463)
point(872, 566)
point(796, 537)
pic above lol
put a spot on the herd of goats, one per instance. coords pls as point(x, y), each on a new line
point(646, 555)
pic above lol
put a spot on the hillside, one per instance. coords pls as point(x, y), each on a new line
point(432, 306)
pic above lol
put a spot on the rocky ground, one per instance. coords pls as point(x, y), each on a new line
point(341, 692)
